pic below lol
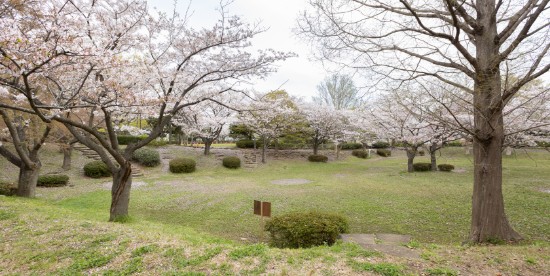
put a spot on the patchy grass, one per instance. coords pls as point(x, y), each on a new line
point(202, 223)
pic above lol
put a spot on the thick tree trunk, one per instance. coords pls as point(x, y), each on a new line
point(411, 153)
point(120, 192)
point(207, 146)
point(67, 152)
point(489, 222)
point(26, 186)
point(264, 146)
point(433, 159)
point(315, 147)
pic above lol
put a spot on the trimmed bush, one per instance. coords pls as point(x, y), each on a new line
point(128, 139)
point(383, 152)
point(231, 162)
point(351, 146)
point(301, 230)
point(248, 144)
point(96, 169)
point(445, 167)
point(52, 180)
point(422, 167)
point(158, 143)
point(182, 165)
point(380, 145)
point(454, 144)
point(360, 153)
point(147, 157)
point(7, 189)
point(317, 158)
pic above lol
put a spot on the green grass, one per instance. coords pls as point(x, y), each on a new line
point(203, 223)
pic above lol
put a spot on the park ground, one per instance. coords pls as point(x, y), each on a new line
point(202, 223)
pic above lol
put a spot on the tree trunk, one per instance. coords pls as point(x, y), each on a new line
point(315, 147)
point(207, 145)
point(263, 150)
point(120, 192)
point(26, 186)
point(433, 159)
point(411, 153)
point(67, 152)
point(489, 222)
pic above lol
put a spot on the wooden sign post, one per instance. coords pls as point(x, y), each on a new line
point(262, 209)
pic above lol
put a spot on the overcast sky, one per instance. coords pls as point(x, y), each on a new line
point(298, 76)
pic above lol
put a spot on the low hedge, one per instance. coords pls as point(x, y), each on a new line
point(231, 162)
point(380, 145)
point(147, 157)
point(351, 146)
point(96, 169)
point(317, 158)
point(52, 180)
point(360, 153)
point(445, 167)
point(302, 230)
point(182, 165)
point(128, 139)
point(8, 189)
point(383, 152)
point(248, 144)
point(422, 167)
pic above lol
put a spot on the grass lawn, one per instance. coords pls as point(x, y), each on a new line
point(203, 223)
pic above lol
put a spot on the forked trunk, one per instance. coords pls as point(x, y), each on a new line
point(411, 153)
point(120, 192)
point(67, 152)
point(26, 186)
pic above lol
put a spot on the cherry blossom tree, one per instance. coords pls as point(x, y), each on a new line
point(479, 41)
point(101, 61)
point(325, 123)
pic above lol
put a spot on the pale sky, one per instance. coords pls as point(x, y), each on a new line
point(298, 76)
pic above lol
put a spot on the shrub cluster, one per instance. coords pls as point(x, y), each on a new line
point(317, 158)
point(248, 144)
point(182, 165)
point(301, 230)
point(422, 167)
point(96, 169)
point(453, 144)
point(383, 152)
point(351, 146)
point(7, 189)
point(52, 180)
point(147, 157)
point(158, 143)
point(445, 167)
point(380, 145)
point(128, 139)
point(360, 153)
point(231, 162)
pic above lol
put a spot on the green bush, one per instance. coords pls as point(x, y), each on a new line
point(380, 145)
point(182, 165)
point(383, 152)
point(128, 139)
point(360, 153)
point(351, 146)
point(453, 144)
point(445, 167)
point(248, 144)
point(421, 153)
point(7, 189)
point(147, 157)
point(52, 180)
point(422, 167)
point(232, 162)
point(96, 169)
point(317, 158)
point(301, 230)
point(158, 143)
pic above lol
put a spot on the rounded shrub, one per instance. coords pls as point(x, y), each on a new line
point(231, 162)
point(96, 169)
point(360, 153)
point(422, 167)
point(445, 167)
point(380, 145)
point(52, 180)
point(182, 165)
point(317, 158)
point(383, 152)
point(7, 189)
point(147, 157)
point(301, 230)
